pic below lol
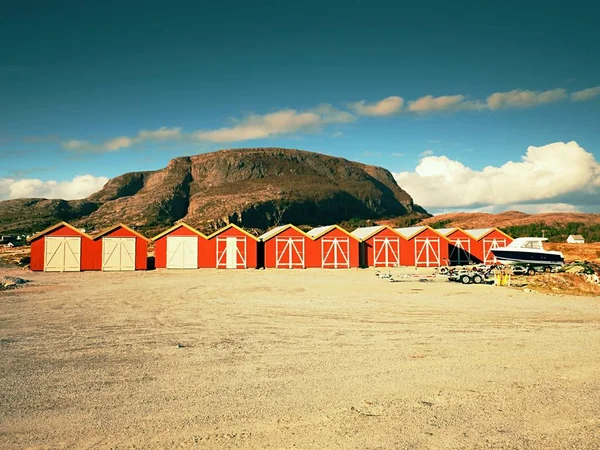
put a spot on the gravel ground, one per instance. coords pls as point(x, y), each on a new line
point(293, 359)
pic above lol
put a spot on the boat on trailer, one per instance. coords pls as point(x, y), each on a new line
point(528, 250)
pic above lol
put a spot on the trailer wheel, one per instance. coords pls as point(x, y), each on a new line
point(477, 279)
point(547, 269)
point(465, 279)
point(531, 271)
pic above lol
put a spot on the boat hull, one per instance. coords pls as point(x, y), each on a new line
point(516, 256)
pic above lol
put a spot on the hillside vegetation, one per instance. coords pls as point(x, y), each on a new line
point(556, 233)
point(556, 226)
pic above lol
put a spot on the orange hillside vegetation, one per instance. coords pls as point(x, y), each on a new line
point(509, 218)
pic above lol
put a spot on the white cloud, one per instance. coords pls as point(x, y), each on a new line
point(426, 153)
point(77, 145)
point(162, 133)
point(524, 98)
point(79, 187)
point(290, 121)
point(254, 126)
point(385, 107)
point(398, 154)
point(280, 122)
point(555, 173)
point(114, 144)
point(429, 103)
point(118, 143)
point(585, 94)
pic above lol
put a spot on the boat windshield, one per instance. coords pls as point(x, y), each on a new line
point(527, 243)
point(533, 244)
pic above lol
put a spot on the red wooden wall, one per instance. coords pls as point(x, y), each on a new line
point(208, 256)
point(271, 248)
point(141, 248)
point(314, 257)
point(160, 246)
point(473, 244)
point(479, 252)
point(407, 248)
point(368, 244)
point(38, 249)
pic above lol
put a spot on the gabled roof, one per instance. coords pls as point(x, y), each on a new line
point(231, 225)
point(280, 229)
point(577, 237)
point(54, 227)
point(445, 231)
point(316, 233)
point(410, 232)
point(480, 233)
point(174, 227)
point(120, 225)
point(364, 233)
point(453, 230)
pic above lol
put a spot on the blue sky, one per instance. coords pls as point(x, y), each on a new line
point(100, 88)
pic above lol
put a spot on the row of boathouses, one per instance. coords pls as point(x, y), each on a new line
point(63, 248)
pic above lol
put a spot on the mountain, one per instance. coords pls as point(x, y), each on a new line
point(255, 188)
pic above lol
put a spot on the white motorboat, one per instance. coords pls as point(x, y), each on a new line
point(528, 250)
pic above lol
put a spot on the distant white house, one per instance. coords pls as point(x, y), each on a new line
point(575, 239)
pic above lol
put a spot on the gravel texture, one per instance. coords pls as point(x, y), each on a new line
point(293, 359)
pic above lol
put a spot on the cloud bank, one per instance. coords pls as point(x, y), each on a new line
point(555, 174)
point(254, 126)
point(79, 187)
point(585, 94)
point(290, 121)
point(385, 107)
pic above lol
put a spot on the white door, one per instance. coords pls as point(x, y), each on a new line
point(460, 251)
point(289, 252)
point(335, 252)
point(182, 252)
point(231, 252)
point(62, 254)
point(427, 252)
point(488, 245)
point(118, 254)
point(386, 252)
point(231, 249)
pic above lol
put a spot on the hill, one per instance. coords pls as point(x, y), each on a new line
point(255, 188)
point(556, 226)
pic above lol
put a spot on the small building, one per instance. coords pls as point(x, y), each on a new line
point(333, 248)
point(486, 239)
point(230, 248)
point(62, 248)
point(119, 248)
point(460, 243)
point(287, 247)
point(425, 247)
point(379, 246)
point(575, 239)
point(179, 247)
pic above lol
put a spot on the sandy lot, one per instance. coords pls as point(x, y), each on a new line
point(293, 359)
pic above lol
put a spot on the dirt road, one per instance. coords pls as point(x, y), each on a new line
point(293, 359)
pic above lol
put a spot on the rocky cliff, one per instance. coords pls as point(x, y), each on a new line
point(255, 188)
